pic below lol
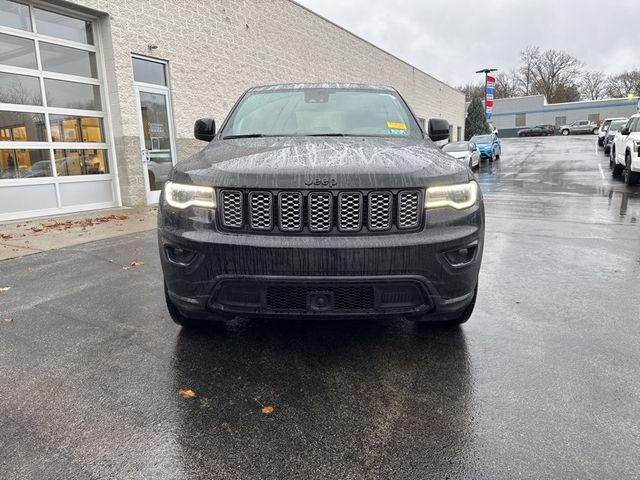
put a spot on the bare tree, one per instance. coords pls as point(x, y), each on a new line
point(624, 84)
point(472, 90)
point(529, 58)
point(507, 84)
point(592, 85)
point(555, 72)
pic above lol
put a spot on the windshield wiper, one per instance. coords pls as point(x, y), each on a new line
point(326, 135)
point(247, 135)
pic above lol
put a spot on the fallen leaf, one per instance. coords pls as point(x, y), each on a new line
point(267, 409)
point(187, 393)
point(136, 263)
point(6, 236)
point(126, 268)
point(5, 289)
point(36, 229)
point(8, 320)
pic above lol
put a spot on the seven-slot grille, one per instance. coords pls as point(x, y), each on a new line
point(320, 211)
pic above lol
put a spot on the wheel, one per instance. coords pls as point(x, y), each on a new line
point(594, 131)
point(521, 134)
point(617, 169)
point(492, 157)
point(184, 321)
point(499, 153)
point(606, 152)
point(565, 132)
point(630, 177)
point(452, 322)
point(600, 142)
point(612, 157)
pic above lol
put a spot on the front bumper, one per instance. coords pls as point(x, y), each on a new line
point(400, 274)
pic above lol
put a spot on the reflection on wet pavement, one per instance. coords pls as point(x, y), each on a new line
point(558, 178)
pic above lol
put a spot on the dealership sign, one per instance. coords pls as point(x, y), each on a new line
point(491, 85)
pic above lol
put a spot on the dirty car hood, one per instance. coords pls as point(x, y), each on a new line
point(305, 162)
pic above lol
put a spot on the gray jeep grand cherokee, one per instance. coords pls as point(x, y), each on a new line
point(321, 201)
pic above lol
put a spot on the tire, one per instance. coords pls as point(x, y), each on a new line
point(452, 322)
point(184, 321)
point(499, 153)
point(606, 152)
point(630, 177)
point(600, 142)
point(521, 134)
point(594, 131)
point(617, 169)
point(612, 156)
point(565, 132)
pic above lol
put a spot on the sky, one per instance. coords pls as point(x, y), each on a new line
point(451, 39)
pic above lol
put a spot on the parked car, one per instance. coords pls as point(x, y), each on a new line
point(466, 151)
point(613, 128)
point(320, 201)
point(489, 146)
point(602, 131)
point(581, 126)
point(625, 151)
point(537, 131)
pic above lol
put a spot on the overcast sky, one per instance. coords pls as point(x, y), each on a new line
point(451, 39)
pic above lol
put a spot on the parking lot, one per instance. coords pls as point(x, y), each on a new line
point(542, 382)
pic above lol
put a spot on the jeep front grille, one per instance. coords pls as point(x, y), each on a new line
point(331, 212)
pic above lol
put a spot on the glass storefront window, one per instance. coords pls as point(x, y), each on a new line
point(14, 15)
point(22, 127)
point(72, 95)
point(20, 89)
point(81, 162)
point(146, 71)
point(56, 58)
point(24, 163)
point(71, 128)
point(17, 52)
point(61, 26)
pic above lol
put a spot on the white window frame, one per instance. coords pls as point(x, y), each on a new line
point(49, 144)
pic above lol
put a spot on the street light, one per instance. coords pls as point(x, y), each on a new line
point(486, 72)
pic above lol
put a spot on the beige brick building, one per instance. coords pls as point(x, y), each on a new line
point(120, 83)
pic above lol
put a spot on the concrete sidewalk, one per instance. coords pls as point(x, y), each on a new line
point(26, 237)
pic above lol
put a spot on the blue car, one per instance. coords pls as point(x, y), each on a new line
point(489, 146)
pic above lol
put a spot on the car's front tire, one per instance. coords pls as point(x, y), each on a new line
point(630, 177)
point(617, 169)
point(565, 132)
point(594, 131)
point(600, 142)
point(184, 321)
point(451, 322)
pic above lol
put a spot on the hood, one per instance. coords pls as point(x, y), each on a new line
point(458, 155)
point(320, 162)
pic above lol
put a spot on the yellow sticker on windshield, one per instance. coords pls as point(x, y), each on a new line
point(396, 125)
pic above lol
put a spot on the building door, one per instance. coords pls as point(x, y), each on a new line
point(155, 121)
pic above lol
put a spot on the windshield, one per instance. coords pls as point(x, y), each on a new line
point(481, 139)
point(456, 147)
point(320, 111)
point(617, 125)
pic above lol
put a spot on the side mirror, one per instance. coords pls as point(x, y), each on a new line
point(204, 129)
point(438, 129)
point(625, 131)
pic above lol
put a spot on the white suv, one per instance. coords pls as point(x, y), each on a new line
point(625, 151)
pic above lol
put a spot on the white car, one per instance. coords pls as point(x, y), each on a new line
point(466, 151)
point(625, 151)
point(604, 127)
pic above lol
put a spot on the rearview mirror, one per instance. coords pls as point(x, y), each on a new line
point(625, 131)
point(204, 129)
point(438, 129)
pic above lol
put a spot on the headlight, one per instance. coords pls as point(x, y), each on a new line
point(180, 195)
point(459, 197)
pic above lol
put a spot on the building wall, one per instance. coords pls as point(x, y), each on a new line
point(539, 112)
point(218, 48)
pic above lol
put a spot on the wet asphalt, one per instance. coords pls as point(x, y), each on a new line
point(542, 382)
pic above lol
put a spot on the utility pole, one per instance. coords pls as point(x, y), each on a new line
point(486, 72)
